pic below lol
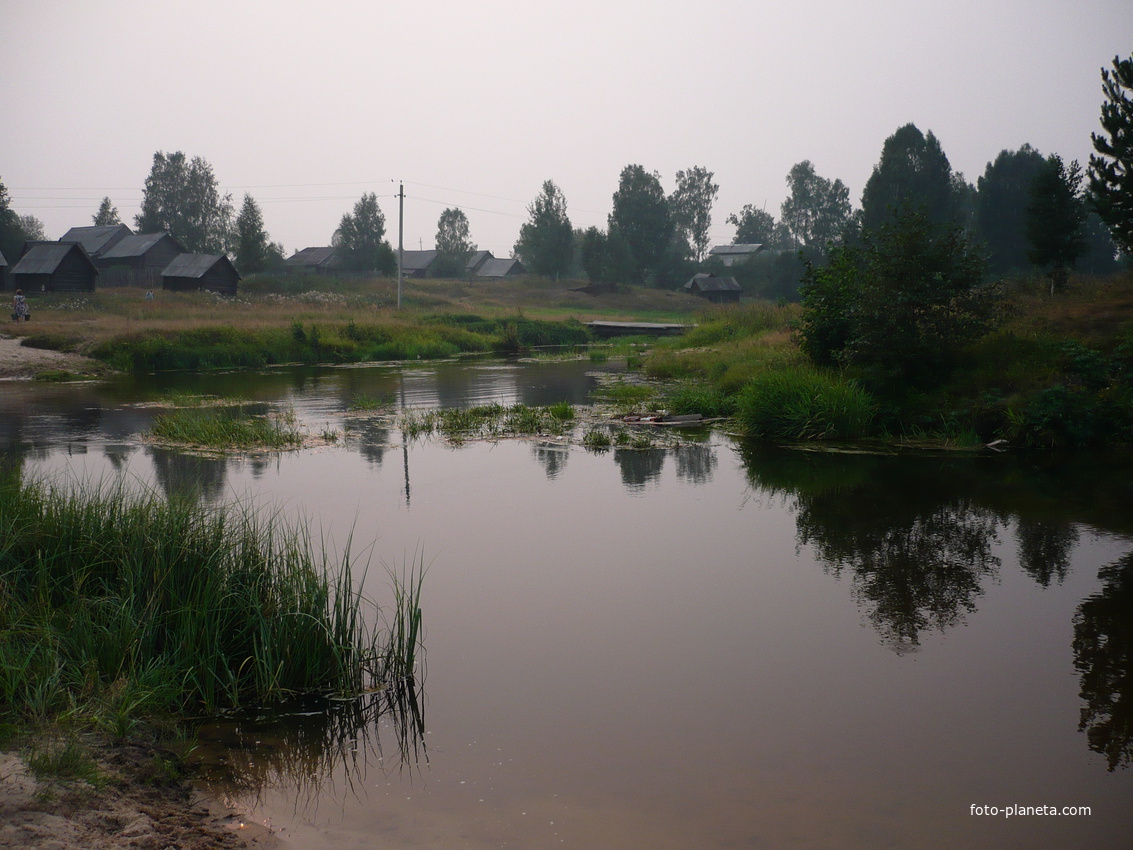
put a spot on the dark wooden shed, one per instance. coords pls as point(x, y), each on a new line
point(716, 289)
point(54, 267)
point(317, 260)
point(213, 272)
point(139, 260)
point(500, 267)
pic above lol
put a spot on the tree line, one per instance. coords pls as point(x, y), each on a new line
point(1027, 210)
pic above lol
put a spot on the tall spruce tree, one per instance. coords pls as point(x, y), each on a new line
point(1056, 219)
point(1004, 192)
point(1111, 168)
point(107, 214)
point(254, 249)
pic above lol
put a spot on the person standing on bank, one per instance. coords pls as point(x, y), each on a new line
point(20, 307)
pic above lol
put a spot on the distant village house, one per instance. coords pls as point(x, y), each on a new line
point(138, 260)
point(98, 239)
point(54, 267)
point(213, 272)
point(319, 260)
point(732, 255)
point(719, 290)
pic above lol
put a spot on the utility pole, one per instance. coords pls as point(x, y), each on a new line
point(400, 237)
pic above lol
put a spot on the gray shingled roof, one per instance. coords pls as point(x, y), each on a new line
point(500, 267)
point(135, 245)
point(3, 262)
point(742, 248)
point(192, 265)
point(711, 283)
point(476, 259)
point(45, 257)
point(310, 256)
point(413, 261)
point(95, 238)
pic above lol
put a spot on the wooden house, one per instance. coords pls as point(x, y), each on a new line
point(138, 260)
point(476, 262)
point(312, 261)
point(99, 239)
point(213, 272)
point(731, 255)
point(54, 267)
point(719, 290)
point(416, 263)
point(3, 272)
point(500, 267)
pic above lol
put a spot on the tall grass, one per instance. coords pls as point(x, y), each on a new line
point(168, 606)
point(226, 427)
point(803, 404)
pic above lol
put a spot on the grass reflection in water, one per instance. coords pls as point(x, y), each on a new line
point(308, 745)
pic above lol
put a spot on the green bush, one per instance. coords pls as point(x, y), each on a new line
point(801, 404)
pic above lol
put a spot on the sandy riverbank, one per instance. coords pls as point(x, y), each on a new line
point(128, 811)
point(18, 362)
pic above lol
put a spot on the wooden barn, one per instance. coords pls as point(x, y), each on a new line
point(54, 267)
point(138, 260)
point(416, 263)
point(322, 260)
point(719, 290)
point(99, 239)
point(500, 267)
point(213, 272)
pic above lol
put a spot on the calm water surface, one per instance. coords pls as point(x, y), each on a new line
point(714, 646)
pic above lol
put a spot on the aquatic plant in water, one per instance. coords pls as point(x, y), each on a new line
point(155, 605)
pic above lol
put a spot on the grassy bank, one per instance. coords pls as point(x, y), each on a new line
point(1057, 372)
point(116, 606)
point(321, 319)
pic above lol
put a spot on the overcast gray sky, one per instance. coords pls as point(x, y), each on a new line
point(306, 105)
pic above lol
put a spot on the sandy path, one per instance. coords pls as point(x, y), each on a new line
point(20, 362)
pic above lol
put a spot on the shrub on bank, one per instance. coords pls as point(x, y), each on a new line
point(802, 404)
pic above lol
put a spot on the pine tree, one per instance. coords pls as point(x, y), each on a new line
point(1111, 169)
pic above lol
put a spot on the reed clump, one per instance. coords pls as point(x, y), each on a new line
point(233, 427)
point(805, 404)
point(125, 605)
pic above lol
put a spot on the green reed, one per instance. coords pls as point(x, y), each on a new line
point(226, 427)
point(125, 604)
point(805, 404)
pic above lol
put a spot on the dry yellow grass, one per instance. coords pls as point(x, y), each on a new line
point(111, 312)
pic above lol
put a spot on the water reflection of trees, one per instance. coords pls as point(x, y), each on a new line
point(371, 438)
point(913, 569)
point(695, 463)
point(1103, 657)
point(639, 466)
point(1045, 547)
point(183, 475)
point(306, 747)
point(916, 550)
point(553, 459)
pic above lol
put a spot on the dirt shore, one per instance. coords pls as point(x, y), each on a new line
point(127, 811)
point(18, 362)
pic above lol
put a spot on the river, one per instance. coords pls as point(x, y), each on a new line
point(713, 645)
